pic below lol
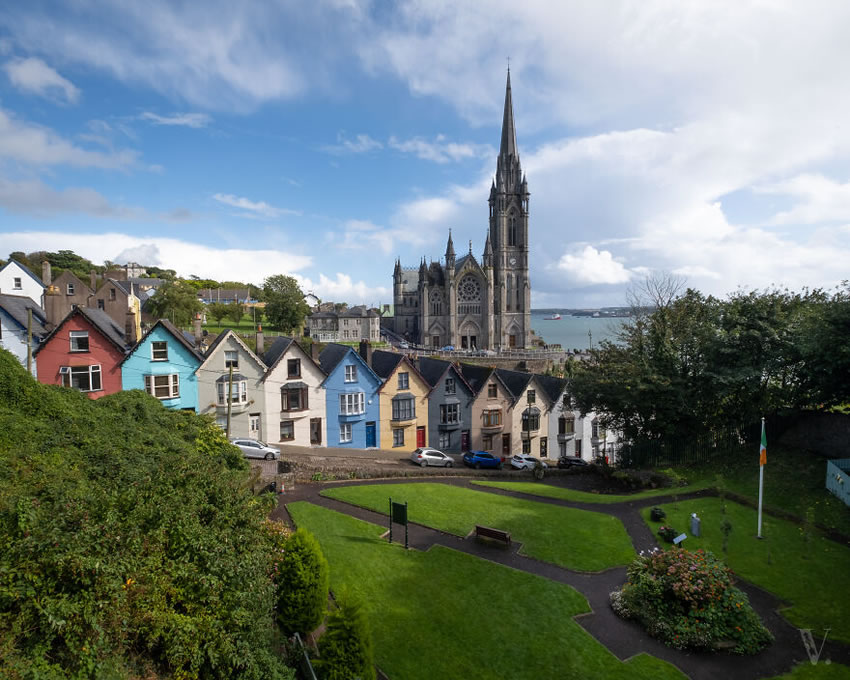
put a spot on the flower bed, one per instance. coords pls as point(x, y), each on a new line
point(688, 601)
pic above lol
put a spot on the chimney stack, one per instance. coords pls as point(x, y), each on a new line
point(314, 351)
point(93, 280)
point(366, 352)
point(261, 345)
point(46, 276)
point(196, 327)
point(130, 328)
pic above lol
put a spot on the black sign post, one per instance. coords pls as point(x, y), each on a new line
point(398, 513)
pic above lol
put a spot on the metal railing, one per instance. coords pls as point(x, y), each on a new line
point(838, 478)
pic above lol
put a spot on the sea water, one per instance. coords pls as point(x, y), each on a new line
point(575, 332)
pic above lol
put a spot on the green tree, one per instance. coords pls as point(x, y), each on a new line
point(285, 305)
point(21, 258)
point(217, 311)
point(236, 311)
point(345, 649)
point(302, 578)
point(176, 301)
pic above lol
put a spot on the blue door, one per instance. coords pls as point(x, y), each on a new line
point(370, 435)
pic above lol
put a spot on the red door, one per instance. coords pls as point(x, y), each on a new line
point(420, 436)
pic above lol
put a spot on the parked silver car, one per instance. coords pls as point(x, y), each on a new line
point(523, 461)
point(254, 448)
point(426, 456)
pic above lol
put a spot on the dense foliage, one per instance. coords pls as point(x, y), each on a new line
point(301, 606)
point(285, 305)
point(132, 546)
point(345, 649)
point(702, 365)
point(688, 601)
point(176, 301)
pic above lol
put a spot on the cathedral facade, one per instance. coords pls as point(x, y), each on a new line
point(472, 304)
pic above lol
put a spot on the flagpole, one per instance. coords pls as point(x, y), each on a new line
point(762, 457)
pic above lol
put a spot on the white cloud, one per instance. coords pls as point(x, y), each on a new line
point(364, 235)
point(440, 150)
point(192, 120)
point(360, 144)
point(36, 145)
point(33, 197)
point(591, 266)
point(254, 208)
point(33, 75)
point(820, 199)
point(184, 257)
point(343, 288)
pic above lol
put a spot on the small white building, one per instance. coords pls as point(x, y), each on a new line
point(16, 279)
point(572, 434)
point(13, 326)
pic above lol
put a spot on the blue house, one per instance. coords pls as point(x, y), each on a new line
point(163, 364)
point(351, 390)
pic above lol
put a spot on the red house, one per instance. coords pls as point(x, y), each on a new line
point(84, 351)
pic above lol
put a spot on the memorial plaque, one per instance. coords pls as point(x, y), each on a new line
point(679, 538)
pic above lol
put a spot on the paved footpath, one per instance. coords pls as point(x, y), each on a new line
point(623, 638)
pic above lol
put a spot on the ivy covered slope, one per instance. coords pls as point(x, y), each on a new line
point(132, 546)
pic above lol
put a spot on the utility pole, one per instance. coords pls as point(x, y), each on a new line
point(29, 340)
point(229, 399)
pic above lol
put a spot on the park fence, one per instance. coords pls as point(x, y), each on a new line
point(838, 478)
point(687, 449)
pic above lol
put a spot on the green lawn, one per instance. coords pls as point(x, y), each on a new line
point(571, 538)
point(548, 491)
point(819, 671)
point(810, 575)
point(445, 614)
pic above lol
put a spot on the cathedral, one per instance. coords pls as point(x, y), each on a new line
point(472, 304)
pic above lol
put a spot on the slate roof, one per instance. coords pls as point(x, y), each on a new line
point(434, 370)
point(331, 355)
point(26, 270)
point(384, 363)
point(359, 311)
point(552, 386)
point(179, 335)
point(515, 381)
point(16, 306)
point(220, 338)
point(100, 320)
point(276, 350)
point(476, 376)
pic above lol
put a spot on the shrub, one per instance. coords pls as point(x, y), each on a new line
point(688, 601)
point(657, 514)
point(641, 479)
point(345, 650)
point(667, 533)
point(302, 576)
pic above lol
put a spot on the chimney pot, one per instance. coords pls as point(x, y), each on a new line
point(261, 346)
point(366, 352)
point(93, 280)
point(196, 327)
point(46, 275)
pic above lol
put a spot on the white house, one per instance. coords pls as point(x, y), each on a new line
point(295, 400)
point(16, 279)
point(13, 326)
point(571, 434)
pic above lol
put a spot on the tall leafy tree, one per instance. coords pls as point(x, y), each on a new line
point(236, 311)
point(285, 305)
point(177, 301)
point(217, 311)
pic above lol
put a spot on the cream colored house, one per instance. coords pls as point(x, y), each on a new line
point(490, 412)
point(529, 413)
point(294, 397)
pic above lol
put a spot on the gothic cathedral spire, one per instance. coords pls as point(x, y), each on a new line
point(508, 147)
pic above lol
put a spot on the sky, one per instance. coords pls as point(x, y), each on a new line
point(324, 139)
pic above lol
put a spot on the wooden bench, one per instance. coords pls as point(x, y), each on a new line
point(494, 534)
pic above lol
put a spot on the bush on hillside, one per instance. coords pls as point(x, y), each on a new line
point(688, 601)
point(345, 649)
point(303, 572)
point(132, 546)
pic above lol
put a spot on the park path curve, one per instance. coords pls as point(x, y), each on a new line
point(623, 638)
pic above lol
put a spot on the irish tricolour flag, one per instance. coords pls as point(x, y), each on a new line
point(763, 449)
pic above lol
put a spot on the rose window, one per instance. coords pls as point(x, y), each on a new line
point(469, 296)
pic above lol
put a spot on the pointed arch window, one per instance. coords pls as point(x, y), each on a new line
point(512, 229)
point(510, 293)
point(518, 294)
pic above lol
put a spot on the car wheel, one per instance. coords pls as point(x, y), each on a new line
point(449, 464)
point(269, 456)
point(478, 466)
point(424, 463)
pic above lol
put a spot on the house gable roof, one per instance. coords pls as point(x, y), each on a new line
point(25, 269)
point(175, 332)
point(99, 320)
point(72, 278)
point(16, 307)
point(334, 353)
point(435, 370)
point(278, 349)
point(220, 339)
point(391, 364)
point(516, 381)
point(554, 387)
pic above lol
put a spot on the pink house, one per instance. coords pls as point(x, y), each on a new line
point(84, 351)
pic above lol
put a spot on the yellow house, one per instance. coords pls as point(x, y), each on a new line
point(403, 399)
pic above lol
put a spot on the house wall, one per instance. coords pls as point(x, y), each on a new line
point(14, 339)
point(463, 397)
point(479, 405)
point(57, 302)
point(275, 380)
point(368, 383)
point(180, 361)
point(542, 404)
point(582, 432)
point(212, 369)
point(56, 353)
point(29, 286)
point(418, 388)
point(117, 308)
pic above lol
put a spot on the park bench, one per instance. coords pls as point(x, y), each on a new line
point(494, 534)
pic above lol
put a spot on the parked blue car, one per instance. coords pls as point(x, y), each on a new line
point(481, 459)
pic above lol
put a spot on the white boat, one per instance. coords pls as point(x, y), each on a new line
point(553, 317)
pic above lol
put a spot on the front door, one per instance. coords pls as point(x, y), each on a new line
point(506, 445)
point(435, 341)
point(512, 341)
point(315, 431)
point(464, 441)
point(254, 426)
point(371, 440)
point(420, 436)
point(544, 447)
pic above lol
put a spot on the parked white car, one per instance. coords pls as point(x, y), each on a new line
point(254, 448)
point(522, 461)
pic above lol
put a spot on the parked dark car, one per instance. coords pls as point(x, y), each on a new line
point(571, 461)
point(481, 459)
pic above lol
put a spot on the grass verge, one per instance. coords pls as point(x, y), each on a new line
point(794, 563)
point(559, 492)
point(571, 538)
point(445, 614)
point(819, 671)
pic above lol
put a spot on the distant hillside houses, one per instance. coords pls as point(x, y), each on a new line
point(225, 296)
point(347, 325)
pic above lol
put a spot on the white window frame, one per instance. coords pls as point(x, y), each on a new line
point(69, 289)
point(404, 381)
point(231, 358)
point(350, 373)
point(67, 375)
point(451, 387)
point(16, 283)
point(77, 336)
point(239, 395)
point(352, 403)
point(449, 414)
point(289, 423)
point(172, 385)
point(398, 436)
point(345, 433)
point(445, 440)
point(155, 349)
